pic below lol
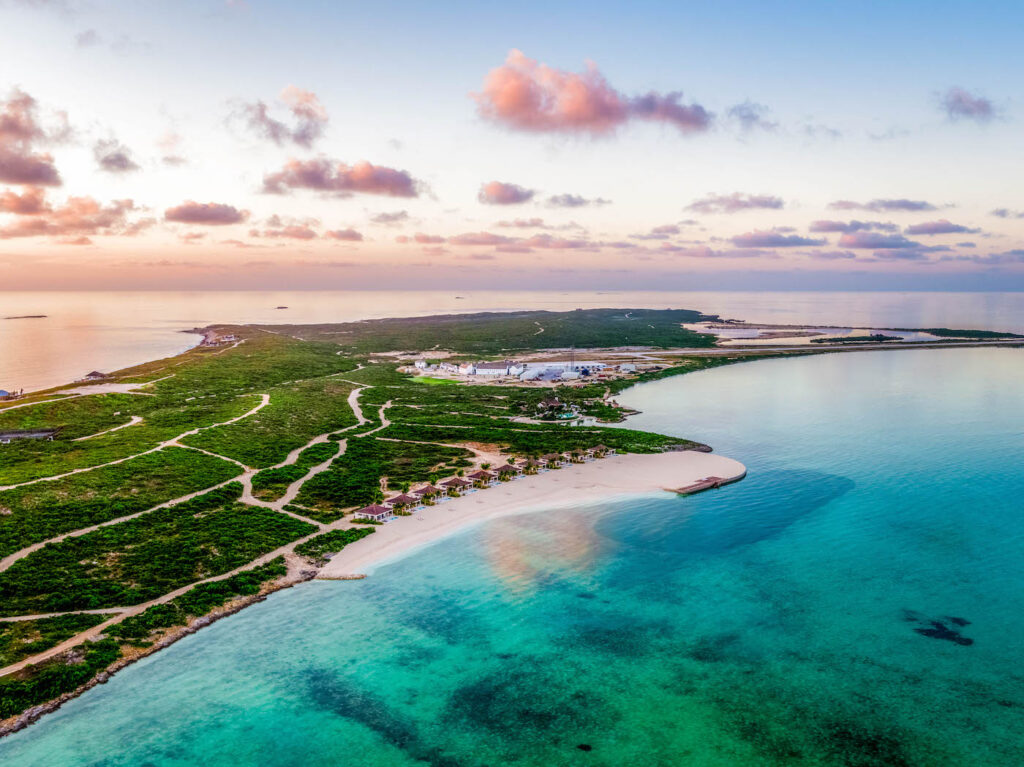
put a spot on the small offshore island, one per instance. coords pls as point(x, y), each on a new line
point(139, 506)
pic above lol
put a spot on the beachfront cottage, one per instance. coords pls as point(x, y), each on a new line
point(95, 376)
point(457, 485)
point(509, 470)
point(554, 459)
point(403, 501)
point(482, 478)
point(429, 491)
point(374, 512)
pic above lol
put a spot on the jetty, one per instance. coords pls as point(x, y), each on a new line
point(708, 483)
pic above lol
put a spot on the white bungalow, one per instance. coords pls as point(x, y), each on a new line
point(374, 512)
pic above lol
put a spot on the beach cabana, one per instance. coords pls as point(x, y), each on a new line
point(403, 501)
point(510, 470)
point(374, 512)
point(600, 451)
point(428, 491)
point(554, 459)
point(482, 478)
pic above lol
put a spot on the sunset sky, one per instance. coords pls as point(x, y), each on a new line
point(677, 145)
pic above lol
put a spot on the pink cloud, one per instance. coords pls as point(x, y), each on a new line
point(324, 175)
point(942, 226)
point(78, 217)
point(846, 227)
point(206, 213)
point(875, 241)
point(479, 238)
point(902, 205)
point(526, 95)
point(288, 232)
point(30, 203)
point(113, 157)
point(501, 193)
point(20, 130)
point(309, 116)
point(550, 242)
point(346, 235)
point(961, 104)
point(773, 239)
point(735, 203)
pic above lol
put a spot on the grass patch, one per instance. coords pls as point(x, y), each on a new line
point(319, 547)
point(146, 557)
point(271, 484)
point(23, 639)
point(46, 509)
point(197, 602)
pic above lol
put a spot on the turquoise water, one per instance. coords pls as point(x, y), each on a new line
point(775, 621)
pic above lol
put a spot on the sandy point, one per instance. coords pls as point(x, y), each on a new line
point(575, 485)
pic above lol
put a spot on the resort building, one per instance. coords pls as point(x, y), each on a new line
point(374, 512)
point(510, 469)
point(503, 368)
point(482, 478)
point(403, 501)
point(456, 483)
point(429, 491)
point(554, 459)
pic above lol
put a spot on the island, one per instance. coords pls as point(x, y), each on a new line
point(165, 496)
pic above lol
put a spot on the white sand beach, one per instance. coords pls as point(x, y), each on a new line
point(574, 485)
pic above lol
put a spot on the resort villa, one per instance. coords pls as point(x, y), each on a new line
point(403, 501)
point(416, 499)
point(374, 512)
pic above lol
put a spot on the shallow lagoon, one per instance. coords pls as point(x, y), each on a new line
point(787, 619)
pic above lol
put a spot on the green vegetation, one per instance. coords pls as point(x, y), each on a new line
point(38, 684)
point(195, 603)
point(354, 478)
point(975, 335)
point(46, 509)
point(271, 484)
point(875, 338)
point(430, 381)
point(296, 413)
point(143, 558)
point(23, 639)
point(318, 547)
point(497, 332)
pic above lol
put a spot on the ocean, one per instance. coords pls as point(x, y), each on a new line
point(106, 331)
point(856, 600)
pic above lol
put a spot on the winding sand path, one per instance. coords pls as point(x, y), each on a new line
point(136, 419)
point(173, 442)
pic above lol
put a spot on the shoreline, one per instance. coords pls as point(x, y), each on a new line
point(634, 475)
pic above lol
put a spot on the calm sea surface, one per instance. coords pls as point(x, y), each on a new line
point(857, 600)
point(107, 331)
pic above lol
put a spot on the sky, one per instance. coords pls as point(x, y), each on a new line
point(719, 145)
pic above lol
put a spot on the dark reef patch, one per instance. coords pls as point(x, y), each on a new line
point(937, 628)
point(532, 701)
point(329, 691)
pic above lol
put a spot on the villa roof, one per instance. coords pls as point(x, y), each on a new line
point(553, 457)
point(427, 490)
point(374, 509)
point(456, 482)
point(96, 374)
point(506, 467)
point(404, 498)
point(482, 475)
point(599, 447)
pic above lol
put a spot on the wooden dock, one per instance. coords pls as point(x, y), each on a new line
point(708, 483)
